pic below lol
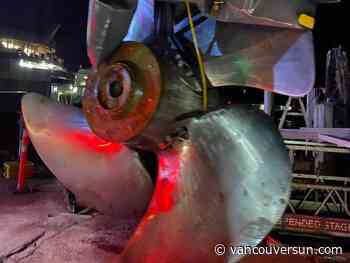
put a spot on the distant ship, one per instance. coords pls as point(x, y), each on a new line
point(28, 65)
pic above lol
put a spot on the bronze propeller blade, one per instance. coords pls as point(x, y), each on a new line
point(103, 175)
point(227, 184)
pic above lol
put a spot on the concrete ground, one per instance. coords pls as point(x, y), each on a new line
point(36, 227)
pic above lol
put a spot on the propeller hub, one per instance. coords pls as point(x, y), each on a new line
point(124, 93)
point(115, 89)
point(136, 97)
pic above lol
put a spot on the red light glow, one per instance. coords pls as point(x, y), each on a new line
point(92, 142)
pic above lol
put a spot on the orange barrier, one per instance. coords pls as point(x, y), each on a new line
point(25, 141)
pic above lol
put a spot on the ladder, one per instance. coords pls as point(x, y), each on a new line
point(287, 111)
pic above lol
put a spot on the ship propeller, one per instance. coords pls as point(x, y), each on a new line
point(223, 176)
point(225, 185)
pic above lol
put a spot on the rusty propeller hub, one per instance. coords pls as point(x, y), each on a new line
point(123, 94)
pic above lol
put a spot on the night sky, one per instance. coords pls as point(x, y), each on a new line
point(38, 16)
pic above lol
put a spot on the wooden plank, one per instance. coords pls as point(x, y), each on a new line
point(315, 133)
point(321, 130)
point(297, 134)
point(308, 143)
point(335, 140)
point(344, 179)
point(337, 132)
point(315, 186)
point(334, 149)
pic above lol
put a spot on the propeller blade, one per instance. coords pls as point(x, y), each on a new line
point(275, 59)
point(106, 176)
point(275, 13)
point(111, 22)
point(227, 184)
point(108, 23)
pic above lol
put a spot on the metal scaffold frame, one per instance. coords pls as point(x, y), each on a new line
point(324, 193)
point(319, 204)
point(324, 188)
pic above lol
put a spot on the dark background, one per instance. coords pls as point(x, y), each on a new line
point(332, 30)
point(39, 16)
